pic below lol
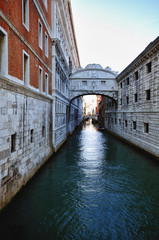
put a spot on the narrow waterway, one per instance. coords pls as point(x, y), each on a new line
point(95, 187)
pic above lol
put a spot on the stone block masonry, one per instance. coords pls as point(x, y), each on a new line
point(25, 136)
point(30, 124)
point(136, 117)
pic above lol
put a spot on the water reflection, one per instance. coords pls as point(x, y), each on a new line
point(96, 187)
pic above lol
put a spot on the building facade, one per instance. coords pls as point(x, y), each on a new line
point(135, 116)
point(99, 99)
point(102, 111)
point(65, 59)
point(36, 58)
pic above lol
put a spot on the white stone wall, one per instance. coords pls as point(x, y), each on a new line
point(147, 141)
point(64, 51)
point(60, 122)
point(75, 114)
point(145, 109)
point(23, 114)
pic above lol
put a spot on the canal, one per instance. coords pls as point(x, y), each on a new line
point(95, 187)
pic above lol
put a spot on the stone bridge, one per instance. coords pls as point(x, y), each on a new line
point(93, 80)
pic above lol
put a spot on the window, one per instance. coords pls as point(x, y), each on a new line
point(119, 121)
point(46, 83)
point(115, 121)
point(127, 100)
point(121, 101)
point(146, 128)
point(84, 83)
point(112, 120)
point(45, 3)
point(135, 97)
point(26, 68)
point(46, 44)
point(40, 35)
point(43, 131)
point(70, 66)
point(25, 12)
point(3, 52)
point(40, 79)
point(31, 135)
point(127, 81)
point(134, 125)
point(136, 75)
point(148, 94)
point(13, 142)
point(121, 85)
point(103, 83)
point(148, 67)
point(126, 123)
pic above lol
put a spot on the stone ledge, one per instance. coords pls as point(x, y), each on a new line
point(133, 144)
point(11, 86)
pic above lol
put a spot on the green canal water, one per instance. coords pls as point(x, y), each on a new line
point(95, 187)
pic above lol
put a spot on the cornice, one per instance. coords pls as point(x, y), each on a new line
point(93, 69)
point(73, 29)
point(56, 43)
point(147, 53)
point(57, 94)
point(91, 78)
point(9, 85)
point(62, 21)
point(67, 23)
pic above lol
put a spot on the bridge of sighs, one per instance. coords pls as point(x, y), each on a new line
point(93, 80)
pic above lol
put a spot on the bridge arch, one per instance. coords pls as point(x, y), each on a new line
point(93, 80)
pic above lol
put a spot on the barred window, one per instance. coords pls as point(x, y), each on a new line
point(148, 67)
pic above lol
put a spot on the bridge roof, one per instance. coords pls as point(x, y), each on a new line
point(93, 71)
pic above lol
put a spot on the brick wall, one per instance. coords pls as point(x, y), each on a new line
point(19, 39)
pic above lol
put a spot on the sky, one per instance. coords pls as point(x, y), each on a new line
point(114, 32)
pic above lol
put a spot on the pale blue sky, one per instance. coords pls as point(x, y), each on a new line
point(113, 32)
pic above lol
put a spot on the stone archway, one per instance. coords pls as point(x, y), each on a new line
point(93, 79)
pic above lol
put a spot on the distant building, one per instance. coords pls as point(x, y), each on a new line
point(89, 105)
point(102, 111)
point(99, 99)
